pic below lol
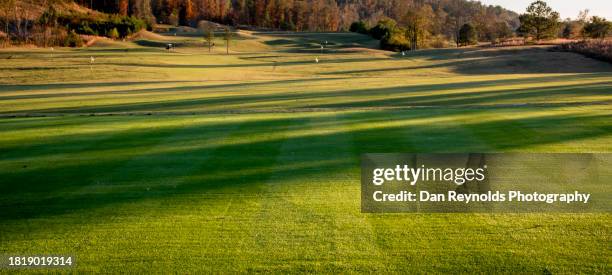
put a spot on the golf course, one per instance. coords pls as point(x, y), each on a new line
point(134, 158)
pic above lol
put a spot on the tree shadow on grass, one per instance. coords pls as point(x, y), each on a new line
point(404, 96)
point(532, 62)
point(522, 95)
point(306, 43)
point(189, 88)
point(53, 86)
point(243, 65)
point(89, 183)
point(116, 50)
point(494, 61)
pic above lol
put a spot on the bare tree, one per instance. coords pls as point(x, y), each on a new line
point(209, 34)
point(227, 36)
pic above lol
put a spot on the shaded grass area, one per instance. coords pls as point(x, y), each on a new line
point(321, 93)
point(268, 181)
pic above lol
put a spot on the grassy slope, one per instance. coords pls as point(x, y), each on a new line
point(254, 166)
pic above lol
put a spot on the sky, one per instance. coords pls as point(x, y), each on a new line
point(567, 8)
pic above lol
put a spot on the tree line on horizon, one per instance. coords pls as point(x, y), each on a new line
point(289, 15)
point(309, 15)
point(398, 24)
point(539, 22)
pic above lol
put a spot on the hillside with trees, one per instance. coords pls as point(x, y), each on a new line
point(445, 16)
point(398, 24)
point(306, 15)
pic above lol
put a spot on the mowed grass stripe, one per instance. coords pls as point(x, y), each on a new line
point(93, 189)
point(231, 180)
point(448, 135)
point(125, 213)
point(572, 130)
point(75, 155)
point(306, 231)
point(170, 197)
point(324, 93)
point(543, 129)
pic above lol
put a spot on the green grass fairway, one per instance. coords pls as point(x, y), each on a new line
point(190, 161)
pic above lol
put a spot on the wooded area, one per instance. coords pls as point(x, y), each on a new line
point(310, 15)
point(398, 24)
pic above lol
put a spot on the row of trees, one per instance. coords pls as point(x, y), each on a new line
point(585, 27)
point(399, 24)
point(444, 16)
point(541, 22)
point(209, 35)
point(435, 17)
point(55, 22)
point(417, 28)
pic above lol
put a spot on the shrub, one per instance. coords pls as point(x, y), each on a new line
point(124, 25)
point(383, 28)
point(391, 37)
point(73, 40)
point(287, 26)
point(395, 41)
point(567, 31)
point(359, 27)
point(597, 28)
point(438, 41)
point(4, 40)
point(114, 33)
point(468, 35)
point(84, 28)
point(598, 49)
point(173, 18)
